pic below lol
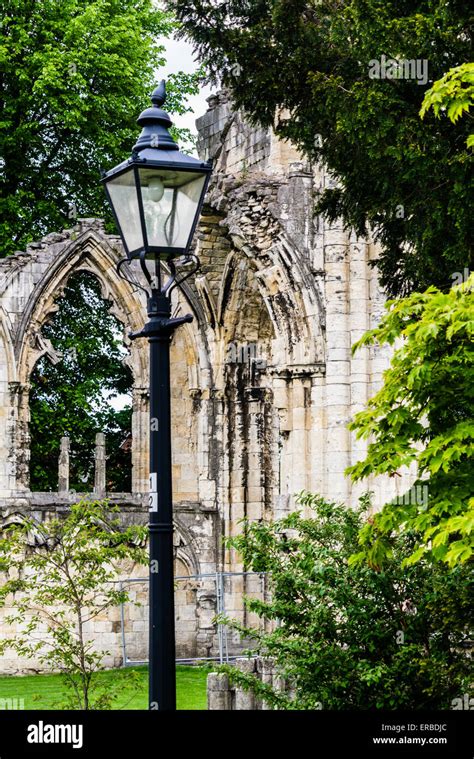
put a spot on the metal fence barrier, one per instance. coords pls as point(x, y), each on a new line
point(255, 584)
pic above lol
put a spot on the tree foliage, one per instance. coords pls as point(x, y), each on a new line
point(424, 414)
point(74, 76)
point(452, 95)
point(73, 396)
point(60, 577)
point(353, 637)
point(346, 73)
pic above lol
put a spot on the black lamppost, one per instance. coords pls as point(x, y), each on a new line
point(156, 197)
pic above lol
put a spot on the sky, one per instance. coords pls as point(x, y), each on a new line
point(179, 57)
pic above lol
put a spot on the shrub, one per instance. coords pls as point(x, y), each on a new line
point(350, 636)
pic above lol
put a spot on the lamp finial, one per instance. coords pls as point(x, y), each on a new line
point(158, 96)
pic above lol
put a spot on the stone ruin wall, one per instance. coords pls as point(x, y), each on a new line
point(263, 380)
point(222, 695)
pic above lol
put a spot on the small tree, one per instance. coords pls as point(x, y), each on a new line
point(60, 576)
point(353, 637)
point(424, 414)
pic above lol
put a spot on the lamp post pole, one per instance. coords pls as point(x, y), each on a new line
point(162, 658)
point(162, 679)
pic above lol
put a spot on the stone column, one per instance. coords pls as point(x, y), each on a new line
point(245, 699)
point(266, 669)
point(140, 440)
point(63, 465)
point(283, 461)
point(18, 435)
point(210, 462)
point(318, 434)
point(359, 323)
point(259, 476)
point(99, 457)
point(300, 393)
point(218, 692)
point(338, 363)
point(257, 447)
point(7, 425)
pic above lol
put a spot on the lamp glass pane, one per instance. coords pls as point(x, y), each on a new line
point(123, 195)
point(170, 204)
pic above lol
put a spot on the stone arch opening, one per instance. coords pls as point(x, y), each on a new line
point(81, 389)
point(94, 253)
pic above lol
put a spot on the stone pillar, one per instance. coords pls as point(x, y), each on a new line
point(266, 668)
point(257, 447)
point(338, 363)
point(237, 458)
point(7, 419)
point(300, 394)
point(218, 692)
point(245, 700)
point(359, 323)
point(209, 462)
point(99, 458)
point(283, 461)
point(63, 465)
point(318, 435)
point(19, 436)
point(140, 440)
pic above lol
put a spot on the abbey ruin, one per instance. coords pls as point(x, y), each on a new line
point(264, 383)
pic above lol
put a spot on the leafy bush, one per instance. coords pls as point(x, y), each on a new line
point(349, 636)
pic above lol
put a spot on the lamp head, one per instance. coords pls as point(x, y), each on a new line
point(157, 194)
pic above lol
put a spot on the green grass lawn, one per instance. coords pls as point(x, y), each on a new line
point(47, 691)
